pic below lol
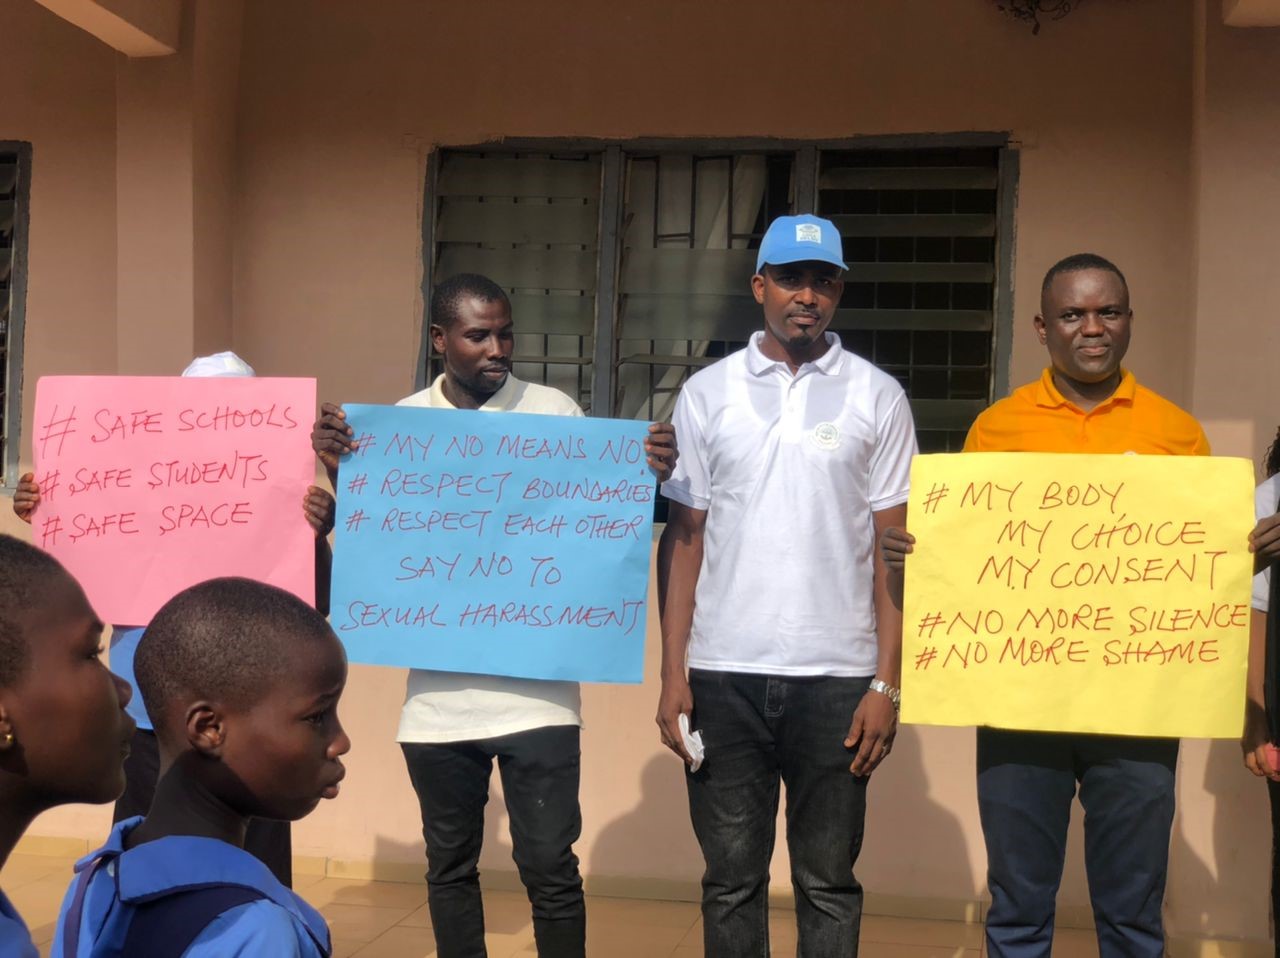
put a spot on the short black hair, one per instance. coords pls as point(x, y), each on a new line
point(25, 574)
point(1078, 262)
point(224, 639)
point(446, 298)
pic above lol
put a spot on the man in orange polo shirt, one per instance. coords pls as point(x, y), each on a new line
point(1083, 402)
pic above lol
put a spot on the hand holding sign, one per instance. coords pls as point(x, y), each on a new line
point(660, 449)
point(1264, 542)
point(332, 438)
point(26, 497)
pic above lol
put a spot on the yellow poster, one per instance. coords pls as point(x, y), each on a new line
point(1078, 593)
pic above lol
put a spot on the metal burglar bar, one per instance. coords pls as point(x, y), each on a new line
point(924, 220)
point(692, 225)
point(920, 240)
point(14, 162)
point(529, 221)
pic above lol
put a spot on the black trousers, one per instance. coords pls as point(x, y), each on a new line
point(540, 771)
point(763, 733)
point(268, 841)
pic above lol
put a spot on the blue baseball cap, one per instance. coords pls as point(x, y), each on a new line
point(795, 239)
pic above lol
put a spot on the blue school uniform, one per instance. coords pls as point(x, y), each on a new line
point(279, 924)
point(15, 940)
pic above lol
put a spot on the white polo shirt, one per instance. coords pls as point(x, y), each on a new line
point(1265, 498)
point(458, 707)
point(789, 469)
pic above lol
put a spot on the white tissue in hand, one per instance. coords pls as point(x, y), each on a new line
point(692, 743)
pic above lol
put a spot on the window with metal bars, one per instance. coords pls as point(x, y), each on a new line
point(15, 164)
point(528, 221)
point(919, 230)
point(629, 265)
point(691, 226)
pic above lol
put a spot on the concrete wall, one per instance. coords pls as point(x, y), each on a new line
point(1219, 888)
point(1129, 118)
point(339, 107)
point(335, 126)
point(59, 95)
point(176, 167)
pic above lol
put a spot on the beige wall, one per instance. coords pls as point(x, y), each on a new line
point(1236, 349)
point(322, 175)
point(215, 66)
point(176, 211)
point(330, 196)
point(338, 107)
point(1237, 149)
point(59, 95)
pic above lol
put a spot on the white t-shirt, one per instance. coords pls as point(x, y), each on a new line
point(789, 469)
point(1265, 498)
point(459, 707)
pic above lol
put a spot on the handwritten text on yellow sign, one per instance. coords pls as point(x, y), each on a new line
point(1078, 593)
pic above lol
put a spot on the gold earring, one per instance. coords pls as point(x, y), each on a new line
point(6, 740)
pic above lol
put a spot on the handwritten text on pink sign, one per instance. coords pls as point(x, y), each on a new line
point(151, 484)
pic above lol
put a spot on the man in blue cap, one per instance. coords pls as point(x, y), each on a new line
point(780, 642)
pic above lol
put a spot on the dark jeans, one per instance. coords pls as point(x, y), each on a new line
point(539, 770)
point(268, 841)
point(760, 730)
point(1026, 781)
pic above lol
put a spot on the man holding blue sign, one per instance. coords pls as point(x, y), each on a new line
point(796, 455)
point(453, 725)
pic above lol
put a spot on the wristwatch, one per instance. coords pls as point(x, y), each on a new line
point(884, 688)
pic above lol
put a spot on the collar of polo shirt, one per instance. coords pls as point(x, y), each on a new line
point(829, 363)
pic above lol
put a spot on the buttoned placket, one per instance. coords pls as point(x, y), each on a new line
point(1086, 418)
point(1054, 400)
point(792, 416)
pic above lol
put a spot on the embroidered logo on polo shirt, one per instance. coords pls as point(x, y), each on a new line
point(808, 233)
point(826, 436)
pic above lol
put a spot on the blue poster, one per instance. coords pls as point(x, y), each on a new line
point(497, 543)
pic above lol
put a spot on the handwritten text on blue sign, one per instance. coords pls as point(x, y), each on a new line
point(494, 543)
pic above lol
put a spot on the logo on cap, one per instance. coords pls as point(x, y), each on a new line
point(808, 233)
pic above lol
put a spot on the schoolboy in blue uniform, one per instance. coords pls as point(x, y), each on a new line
point(242, 681)
point(64, 732)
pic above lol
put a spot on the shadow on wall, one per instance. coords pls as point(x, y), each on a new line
point(1219, 871)
point(654, 838)
point(912, 805)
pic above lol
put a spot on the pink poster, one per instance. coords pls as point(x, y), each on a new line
point(151, 484)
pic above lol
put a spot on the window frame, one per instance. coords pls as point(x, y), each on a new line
point(11, 415)
point(807, 157)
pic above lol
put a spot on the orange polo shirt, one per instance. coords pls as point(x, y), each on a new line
point(1036, 418)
